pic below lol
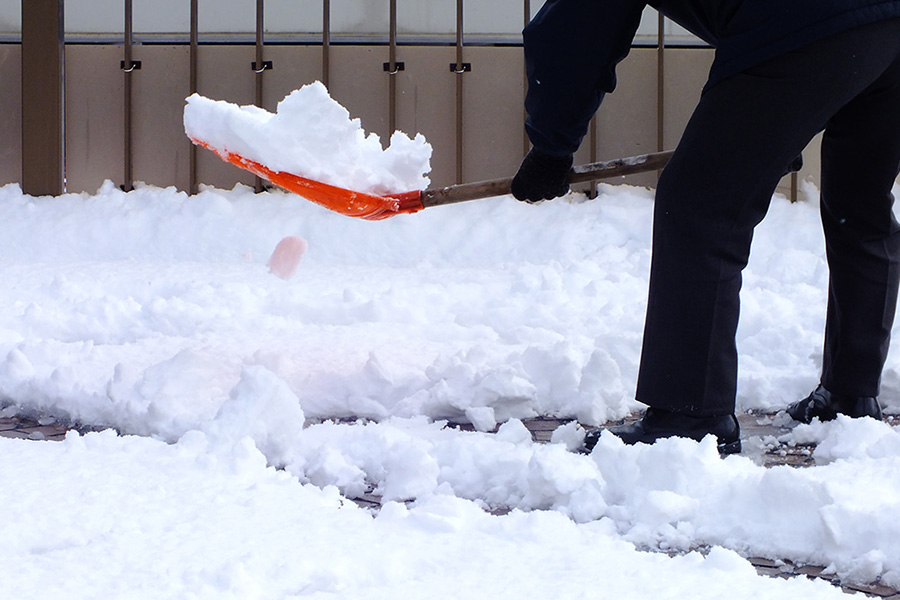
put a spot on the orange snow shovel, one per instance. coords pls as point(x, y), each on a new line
point(373, 207)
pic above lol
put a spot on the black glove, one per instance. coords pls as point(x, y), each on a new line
point(541, 177)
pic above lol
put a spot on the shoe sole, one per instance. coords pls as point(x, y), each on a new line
point(730, 448)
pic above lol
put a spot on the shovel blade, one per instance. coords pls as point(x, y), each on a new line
point(374, 208)
point(346, 202)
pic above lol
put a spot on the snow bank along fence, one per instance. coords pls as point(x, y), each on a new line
point(95, 92)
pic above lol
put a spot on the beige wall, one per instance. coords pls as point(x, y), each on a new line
point(10, 113)
point(493, 91)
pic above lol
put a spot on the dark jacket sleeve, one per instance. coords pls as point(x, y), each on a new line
point(572, 48)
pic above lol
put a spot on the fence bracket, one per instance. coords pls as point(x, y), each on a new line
point(266, 66)
point(466, 67)
point(134, 65)
point(398, 66)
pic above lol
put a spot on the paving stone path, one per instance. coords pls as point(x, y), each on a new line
point(760, 430)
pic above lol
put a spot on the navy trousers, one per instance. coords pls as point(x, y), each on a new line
point(717, 187)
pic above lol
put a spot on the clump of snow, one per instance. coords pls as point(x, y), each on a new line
point(674, 495)
point(260, 407)
point(312, 136)
point(155, 313)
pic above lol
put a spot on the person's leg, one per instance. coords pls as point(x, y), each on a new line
point(716, 189)
point(862, 239)
point(860, 162)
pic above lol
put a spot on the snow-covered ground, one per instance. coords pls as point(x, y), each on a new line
point(154, 313)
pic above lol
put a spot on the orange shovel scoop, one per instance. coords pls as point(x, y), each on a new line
point(372, 207)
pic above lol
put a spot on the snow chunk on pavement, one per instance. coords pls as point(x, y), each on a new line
point(263, 408)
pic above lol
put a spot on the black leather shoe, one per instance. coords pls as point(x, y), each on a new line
point(657, 424)
point(826, 406)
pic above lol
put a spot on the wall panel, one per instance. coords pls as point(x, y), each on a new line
point(10, 113)
point(626, 121)
point(224, 74)
point(294, 67)
point(686, 72)
point(493, 118)
point(94, 117)
point(161, 150)
point(359, 82)
point(425, 104)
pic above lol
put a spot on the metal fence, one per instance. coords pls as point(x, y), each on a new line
point(106, 105)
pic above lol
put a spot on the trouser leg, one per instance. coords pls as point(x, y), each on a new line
point(713, 193)
point(862, 236)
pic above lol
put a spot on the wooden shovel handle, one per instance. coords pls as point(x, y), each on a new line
point(498, 187)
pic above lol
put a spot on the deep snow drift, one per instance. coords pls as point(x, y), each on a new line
point(154, 313)
point(164, 317)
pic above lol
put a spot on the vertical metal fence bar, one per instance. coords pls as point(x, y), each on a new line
point(195, 46)
point(526, 143)
point(326, 41)
point(393, 69)
point(128, 67)
point(459, 69)
point(592, 191)
point(661, 84)
point(259, 66)
point(43, 97)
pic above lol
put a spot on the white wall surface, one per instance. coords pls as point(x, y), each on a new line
point(10, 16)
point(414, 17)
